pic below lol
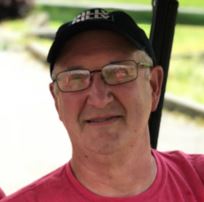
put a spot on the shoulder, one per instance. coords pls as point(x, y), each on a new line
point(186, 163)
point(198, 163)
point(1, 193)
point(40, 188)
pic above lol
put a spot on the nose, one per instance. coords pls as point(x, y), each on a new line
point(100, 93)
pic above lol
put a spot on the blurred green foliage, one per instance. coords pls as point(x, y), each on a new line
point(183, 3)
point(186, 73)
point(186, 77)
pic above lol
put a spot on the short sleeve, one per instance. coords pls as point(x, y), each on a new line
point(1, 193)
point(198, 164)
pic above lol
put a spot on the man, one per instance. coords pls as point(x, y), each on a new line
point(105, 85)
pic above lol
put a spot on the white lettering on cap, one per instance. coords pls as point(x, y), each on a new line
point(91, 15)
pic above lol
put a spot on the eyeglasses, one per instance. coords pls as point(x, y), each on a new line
point(115, 73)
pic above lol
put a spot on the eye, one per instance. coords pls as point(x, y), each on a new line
point(73, 80)
point(120, 73)
point(77, 76)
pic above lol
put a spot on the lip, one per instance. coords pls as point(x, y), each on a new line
point(103, 120)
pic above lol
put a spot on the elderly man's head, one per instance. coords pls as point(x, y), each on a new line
point(105, 87)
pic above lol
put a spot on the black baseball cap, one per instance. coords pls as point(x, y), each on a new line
point(100, 19)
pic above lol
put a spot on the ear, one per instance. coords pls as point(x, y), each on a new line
point(53, 93)
point(156, 84)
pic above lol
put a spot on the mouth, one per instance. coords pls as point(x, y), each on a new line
point(99, 120)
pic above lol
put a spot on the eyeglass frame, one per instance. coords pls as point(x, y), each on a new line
point(138, 65)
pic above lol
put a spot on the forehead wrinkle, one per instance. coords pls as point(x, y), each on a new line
point(102, 50)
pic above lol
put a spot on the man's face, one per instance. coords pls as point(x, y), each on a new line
point(105, 119)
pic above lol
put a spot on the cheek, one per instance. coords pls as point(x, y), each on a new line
point(69, 109)
point(136, 99)
point(136, 93)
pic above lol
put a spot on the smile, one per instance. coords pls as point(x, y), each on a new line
point(103, 119)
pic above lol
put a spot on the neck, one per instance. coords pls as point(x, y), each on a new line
point(123, 173)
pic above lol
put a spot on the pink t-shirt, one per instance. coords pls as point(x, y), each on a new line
point(1, 193)
point(180, 177)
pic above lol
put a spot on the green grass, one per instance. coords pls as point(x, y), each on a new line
point(17, 24)
point(188, 39)
point(186, 74)
point(183, 3)
point(64, 14)
point(186, 78)
point(194, 3)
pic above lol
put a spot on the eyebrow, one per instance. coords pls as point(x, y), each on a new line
point(82, 67)
point(74, 67)
point(64, 69)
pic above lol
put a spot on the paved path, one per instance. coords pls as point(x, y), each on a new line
point(32, 139)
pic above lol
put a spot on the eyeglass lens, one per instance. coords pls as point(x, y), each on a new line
point(114, 74)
